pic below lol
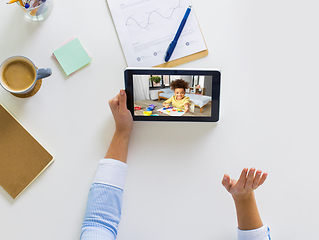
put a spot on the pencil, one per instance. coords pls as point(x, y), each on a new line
point(35, 4)
point(12, 1)
point(21, 3)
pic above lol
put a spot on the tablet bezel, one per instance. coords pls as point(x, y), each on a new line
point(216, 77)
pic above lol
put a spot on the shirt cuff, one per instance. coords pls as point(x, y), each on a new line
point(111, 172)
point(262, 233)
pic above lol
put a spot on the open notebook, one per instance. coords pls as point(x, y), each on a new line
point(22, 157)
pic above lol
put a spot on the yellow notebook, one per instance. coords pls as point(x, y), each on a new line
point(22, 157)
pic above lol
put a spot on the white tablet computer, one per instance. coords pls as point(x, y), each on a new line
point(166, 94)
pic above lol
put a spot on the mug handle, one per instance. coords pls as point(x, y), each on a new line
point(43, 73)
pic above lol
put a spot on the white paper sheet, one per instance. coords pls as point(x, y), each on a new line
point(146, 28)
point(170, 112)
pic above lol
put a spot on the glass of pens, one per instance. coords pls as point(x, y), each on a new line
point(36, 10)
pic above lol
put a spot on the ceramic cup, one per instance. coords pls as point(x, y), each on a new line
point(19, 74)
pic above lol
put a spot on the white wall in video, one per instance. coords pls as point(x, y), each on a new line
point(172, 95)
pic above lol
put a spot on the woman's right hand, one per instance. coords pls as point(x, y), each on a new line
point(246, 184)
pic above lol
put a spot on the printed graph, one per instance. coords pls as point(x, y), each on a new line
point(158, 15)
point(149, 17)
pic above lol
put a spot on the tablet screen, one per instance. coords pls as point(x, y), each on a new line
point(176, 96)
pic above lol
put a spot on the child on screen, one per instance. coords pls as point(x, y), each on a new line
point(178, 100)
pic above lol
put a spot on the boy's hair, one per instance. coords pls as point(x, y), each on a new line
point(179, 83)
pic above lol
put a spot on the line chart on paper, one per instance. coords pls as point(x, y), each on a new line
point(149, 16)
point(155, 15)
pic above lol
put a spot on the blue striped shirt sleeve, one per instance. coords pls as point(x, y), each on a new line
point(103, 211)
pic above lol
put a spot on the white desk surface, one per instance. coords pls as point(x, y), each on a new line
point(268, 54)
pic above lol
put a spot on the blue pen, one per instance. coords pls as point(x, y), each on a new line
point(172, 45)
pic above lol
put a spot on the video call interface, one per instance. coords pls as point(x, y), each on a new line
point(172, 95)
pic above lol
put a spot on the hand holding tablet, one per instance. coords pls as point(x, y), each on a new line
point(187, 94)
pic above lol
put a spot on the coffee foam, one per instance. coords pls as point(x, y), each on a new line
point(18, 75)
